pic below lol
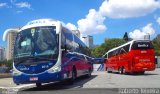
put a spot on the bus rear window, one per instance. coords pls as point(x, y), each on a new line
point(142, 45)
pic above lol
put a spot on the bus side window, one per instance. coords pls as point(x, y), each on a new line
point(126, 48)
point(110, 55)
point(63, 41)
point(122, 51)
point(69, 40)
point(118, 51)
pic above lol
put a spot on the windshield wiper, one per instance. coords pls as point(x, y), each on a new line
point(34, 59)
point(42, 58)
point(23, 55)
point(23, 60)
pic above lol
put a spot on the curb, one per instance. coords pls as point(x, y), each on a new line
point(5, 75)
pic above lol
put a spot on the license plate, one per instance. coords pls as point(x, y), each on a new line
point(144, 51)
point(145, 68)
point(33, 79)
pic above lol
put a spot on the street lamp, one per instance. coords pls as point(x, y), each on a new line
point(85, 40)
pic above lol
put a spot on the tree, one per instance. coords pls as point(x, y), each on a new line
point(125, 37)
point(156, 44)
point(107, 45)
point(7, 63)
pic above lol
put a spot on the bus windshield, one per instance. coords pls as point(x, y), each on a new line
point(142, 45)
point(38, 41)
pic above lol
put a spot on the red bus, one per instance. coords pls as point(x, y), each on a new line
point(136, 56)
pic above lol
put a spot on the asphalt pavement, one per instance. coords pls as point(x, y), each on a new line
point(100, 82)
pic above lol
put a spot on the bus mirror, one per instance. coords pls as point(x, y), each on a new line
point(58, 27)
point(105, 61)
point(57, 38)
point(64, 50)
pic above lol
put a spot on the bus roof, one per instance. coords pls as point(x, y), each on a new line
point(41, 22)
point(130, 42)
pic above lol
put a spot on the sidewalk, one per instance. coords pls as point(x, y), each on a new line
point(5, 75)
point(8, 87)
point(6, 82)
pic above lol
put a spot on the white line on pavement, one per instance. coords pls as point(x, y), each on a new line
point(18, 87)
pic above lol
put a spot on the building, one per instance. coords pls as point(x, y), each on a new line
point(2, 53)
point(147, 37)
point(76, 32)
point(9, 36)
point(89, 41)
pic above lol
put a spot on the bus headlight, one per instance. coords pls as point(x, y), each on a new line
point(16, 72)
point(54, 69)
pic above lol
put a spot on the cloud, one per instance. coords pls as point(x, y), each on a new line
point(15, 4)
point(23, 5)
point(19, 11)
point(158, 20)
point(13, 1)
point(92, 23)
point(139, 34)
point(128, 8)
point(3, 5)
point(71, 26)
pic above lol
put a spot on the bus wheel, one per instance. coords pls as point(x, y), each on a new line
point(123, 70)
point(74, 75)
point(142, 72)
point(38, 84)
point(106, 69)
point(109, 71)
point(89, 72)
point(119, 70)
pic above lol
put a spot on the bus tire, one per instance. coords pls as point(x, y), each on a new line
point(123, 70)
point(89, 72)
point(38, 84)
point(119, 70)
point(106, 69)
point(74, 76)
point(142, 72)
point(109, 71)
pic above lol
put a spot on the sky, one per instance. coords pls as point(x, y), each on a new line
point(100, 18)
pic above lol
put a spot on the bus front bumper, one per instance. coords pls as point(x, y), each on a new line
point(37, 78)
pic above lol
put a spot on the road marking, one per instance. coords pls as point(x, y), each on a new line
point(14, 90)
point(18, 87)
point(22, 86)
